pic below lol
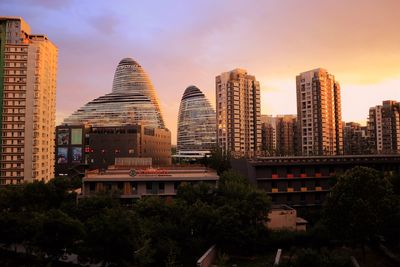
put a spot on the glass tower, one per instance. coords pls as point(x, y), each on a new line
point(196, 123)
point(133, 101)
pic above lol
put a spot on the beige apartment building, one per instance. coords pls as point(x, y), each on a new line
point(384, 127)
point(238, 113)
point(28, 67)
point(319, 113)
point(286, 135)
point(279, 135)
point(268, 135)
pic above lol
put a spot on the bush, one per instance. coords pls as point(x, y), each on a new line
point(318, 258)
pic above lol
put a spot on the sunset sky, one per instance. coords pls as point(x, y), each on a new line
point(180, 43)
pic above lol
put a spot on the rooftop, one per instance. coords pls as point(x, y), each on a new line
point(152, 175)
point(325, 159)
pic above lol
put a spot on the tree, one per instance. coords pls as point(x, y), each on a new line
point(219, 161)
point(92, 206)
point(56, 233)
point(358, 205)
point(230, 176)
point(114, 237)
point(194, 193)
point(16, 227)
point(241, 211)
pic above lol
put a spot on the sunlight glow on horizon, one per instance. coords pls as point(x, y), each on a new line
point(180, 43)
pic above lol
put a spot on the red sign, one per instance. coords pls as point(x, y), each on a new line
point(152, 171)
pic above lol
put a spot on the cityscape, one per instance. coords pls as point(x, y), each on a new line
point(255, 171)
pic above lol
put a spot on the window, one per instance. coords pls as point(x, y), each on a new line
point(134, 187)
point(107, 186)
point(92, 186)
point(161, 186)
point(176, 185)
point(120, 186)
point(149, 187)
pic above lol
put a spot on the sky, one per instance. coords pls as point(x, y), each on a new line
point(181, 43)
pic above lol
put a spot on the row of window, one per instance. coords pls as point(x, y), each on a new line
point(16, 80)
point(16, 49)
point(290, 198)
point(12, 150)
point(18, 57)
point(15, 72)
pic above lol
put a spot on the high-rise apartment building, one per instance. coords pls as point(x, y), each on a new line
point(319, 113)
point(28, 68)
point(279, 135)
point(196, 124)
point(268, 135)
point(384, 127)
point(238, 113)
point(355, 139)
point(286, 135)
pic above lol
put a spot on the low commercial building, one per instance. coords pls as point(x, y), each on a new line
point(305, 181)
point(129, 183)
point(283, 217)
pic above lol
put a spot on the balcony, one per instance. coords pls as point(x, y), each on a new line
point(303, 175)
point(303, 189)
point(274, 176)
point(289, 175)
point(274, 190)
point(318, 175)
point(290, 189)
point(318, 188)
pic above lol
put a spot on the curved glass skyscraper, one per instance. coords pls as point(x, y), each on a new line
point(196, 123)
point(133, 101)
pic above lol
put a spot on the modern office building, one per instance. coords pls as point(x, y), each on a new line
point(133, 100)
point(319, 113)
point(305, 181)
point(196, 124)
point(384, 127)
point(28, 71)
point(238, 113)
point(355, 139)
point(84, 147)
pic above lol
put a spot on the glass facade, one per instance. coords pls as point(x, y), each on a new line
point(196, 122)
point(133, 100)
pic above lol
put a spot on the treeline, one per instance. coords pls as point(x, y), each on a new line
point(47, 220)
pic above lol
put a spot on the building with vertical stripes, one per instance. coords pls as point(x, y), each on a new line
point(28, 72)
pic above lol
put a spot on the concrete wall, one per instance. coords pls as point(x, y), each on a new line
point(208, 258)
point(282, 219)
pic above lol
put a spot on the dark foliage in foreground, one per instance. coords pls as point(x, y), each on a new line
point(46, 219)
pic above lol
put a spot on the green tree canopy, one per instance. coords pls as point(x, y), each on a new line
point(359, 204)
point(56, 233)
